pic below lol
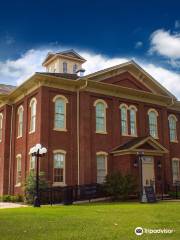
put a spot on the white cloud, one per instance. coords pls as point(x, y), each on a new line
point(139, 44)
point(166, 44)
point(17, 71)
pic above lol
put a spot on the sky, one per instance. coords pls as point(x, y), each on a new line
point(106, 33)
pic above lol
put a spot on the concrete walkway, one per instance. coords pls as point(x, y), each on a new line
point(11, 205)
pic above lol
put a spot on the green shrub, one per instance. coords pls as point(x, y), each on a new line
point(173, 194)
point(10, 198)
point(120, 186)
point(30, 186)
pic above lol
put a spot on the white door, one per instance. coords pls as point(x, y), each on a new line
point(148, 177)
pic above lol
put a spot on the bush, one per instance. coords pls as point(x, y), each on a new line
point(9, 198)
point(120, 186)
point(30, 186)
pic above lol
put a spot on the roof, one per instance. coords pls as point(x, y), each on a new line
point(5, 89)
point(68, 53)
point(146, 144)
point(62, 75)
point(136, 70)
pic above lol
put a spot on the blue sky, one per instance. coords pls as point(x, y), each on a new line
point(105, 32)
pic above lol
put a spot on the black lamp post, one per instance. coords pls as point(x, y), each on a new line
point(140, 157)
point(38, 152)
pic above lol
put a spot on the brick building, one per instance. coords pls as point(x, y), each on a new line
point(91, 125)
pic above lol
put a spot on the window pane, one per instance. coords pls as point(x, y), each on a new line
point(133, 121)
point(172, 129)
point(124, 129)
point(59, 161)
point(101, 168)
point(100, 117)
point(153, 124)
point(176, 170)
point(59, 113)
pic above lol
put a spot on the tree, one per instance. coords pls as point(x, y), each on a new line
point(30, 185)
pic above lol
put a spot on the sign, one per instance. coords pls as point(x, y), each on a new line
point(150, 194)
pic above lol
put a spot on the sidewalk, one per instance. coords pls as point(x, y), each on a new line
point(11, 205)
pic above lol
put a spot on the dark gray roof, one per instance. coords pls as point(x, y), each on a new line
point(63, 75)
point(129, 143)
point(5, 89)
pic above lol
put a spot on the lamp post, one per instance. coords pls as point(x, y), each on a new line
point(38, 151)
point(140, 157)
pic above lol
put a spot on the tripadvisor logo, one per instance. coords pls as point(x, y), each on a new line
point(138, 231)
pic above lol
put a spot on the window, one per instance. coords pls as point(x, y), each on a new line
point(59, 166)
point(32, 162)
point(100, 106)
point(18, 169)
point(101, 166)
point(1, 126)
point(32, 105)
point(153, 129)
point(172, 128)
point(175, 170)
point(64, 67)
point(133, 127)
point(74, 68)
point(60, 112)
point(20, 121)
point(124, 125)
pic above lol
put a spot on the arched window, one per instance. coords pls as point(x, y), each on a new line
point(74, 68)
point(18, 169)
point(172, 128)
point(64, 67)
point(60, 112)
point(133, 127)
point(32, 105)
point(153, 127)
point(176, 169)
point(32, 163)
point(100, 106)
point(101, 158)
point(20, 121)
point(1, 126)
point(124, 120)
point(59, 167)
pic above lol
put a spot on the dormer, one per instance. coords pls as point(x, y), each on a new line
point(63, 62)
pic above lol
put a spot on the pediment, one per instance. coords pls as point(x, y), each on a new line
point(148, 145)
point(141, 79)
point(127, 80)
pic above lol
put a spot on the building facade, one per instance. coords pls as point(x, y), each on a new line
point(91, 125)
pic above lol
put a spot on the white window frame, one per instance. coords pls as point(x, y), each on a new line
point(177, 177)
point(105, 155)
point(65, 101)
point(20, 123)
point(133, 108)
point(75, 67)
point(32, 159)
point(105, 106)
point(63, 183)
point(172, 116)
point(152, 110)
point(124, 106)
point(18, 159)
point(1, 127)
point(33, 126)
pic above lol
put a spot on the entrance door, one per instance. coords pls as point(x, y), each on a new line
point(148, 172)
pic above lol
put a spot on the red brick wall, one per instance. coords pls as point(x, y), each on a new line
point(90, 141)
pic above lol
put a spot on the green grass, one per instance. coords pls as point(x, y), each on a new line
point(90, 221)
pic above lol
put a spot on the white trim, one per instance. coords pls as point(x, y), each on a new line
point(61, 151)
point(153, 110)
point(65, 101)
point(123, 105)
point(1, 126)
point(30, 105)
point(20, 110)
point(105, 115)
point(105, 154)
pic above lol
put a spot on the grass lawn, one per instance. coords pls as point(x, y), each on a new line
point(90, 221)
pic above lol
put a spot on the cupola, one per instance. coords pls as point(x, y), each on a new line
point(64, 62)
